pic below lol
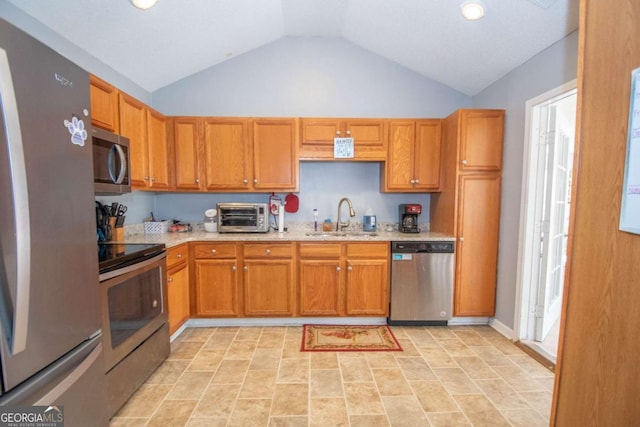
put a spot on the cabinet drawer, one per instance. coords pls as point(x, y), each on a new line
point(272, 250)
point(176, 255)
point(215, 250)
point(368, 250)
point(320, 250)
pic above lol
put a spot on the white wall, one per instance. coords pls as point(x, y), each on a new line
point(547, 70)
point(309, 76)
point(44, 34)
point(313, 77)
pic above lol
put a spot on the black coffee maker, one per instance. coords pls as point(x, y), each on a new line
point(409, 217)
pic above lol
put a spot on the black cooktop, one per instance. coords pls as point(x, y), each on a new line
point(112, 256)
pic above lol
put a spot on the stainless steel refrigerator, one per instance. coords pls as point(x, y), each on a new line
point(50, 332)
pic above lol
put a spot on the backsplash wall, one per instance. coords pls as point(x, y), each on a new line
point(322, 185)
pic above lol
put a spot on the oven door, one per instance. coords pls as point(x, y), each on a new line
point(133, 304)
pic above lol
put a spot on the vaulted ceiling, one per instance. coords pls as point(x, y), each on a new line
point(178, 38)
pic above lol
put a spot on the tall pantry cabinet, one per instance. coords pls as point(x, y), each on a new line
point(469, 205)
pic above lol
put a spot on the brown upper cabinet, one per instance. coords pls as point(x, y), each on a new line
point(104, 104)
point(242, 154)
point(148, 144)
point(413, 159)
point(468, 205)
point(481, 140)
point(317, 134)
point(186, 152)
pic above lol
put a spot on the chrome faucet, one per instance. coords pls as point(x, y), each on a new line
point(342, 225)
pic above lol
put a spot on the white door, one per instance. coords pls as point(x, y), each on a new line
point(554, 151)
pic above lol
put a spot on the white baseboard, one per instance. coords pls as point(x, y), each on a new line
point(502, 328)
point(177, 333)
point(466, 321)
point(284, 321)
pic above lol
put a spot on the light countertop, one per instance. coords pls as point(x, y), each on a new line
point(174, 239)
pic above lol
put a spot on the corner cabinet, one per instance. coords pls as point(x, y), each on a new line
point(178, 286)
point(468, 205)
point(413, 158)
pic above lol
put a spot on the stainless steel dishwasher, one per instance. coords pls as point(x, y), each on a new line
point(421, 283)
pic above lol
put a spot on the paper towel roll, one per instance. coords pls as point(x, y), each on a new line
point(281, 219)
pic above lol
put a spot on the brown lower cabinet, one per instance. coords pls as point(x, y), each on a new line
point(288, 279)
point(344, 279)
point(217, 282)
point(178, 286)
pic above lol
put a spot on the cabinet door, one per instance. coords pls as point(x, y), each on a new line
point(227, 161)
point(275, 155)
point(319, 132)
point(217, 290)
point(477, 249)
point(367, 283)
point(186, 143)
point(399, 168)
point(178, 296)
point(268, 287)
point(481, 133)
point(369, 138)
point(321, 288)
point(133, 125)
point(427, 155)
point(104, 105)
point(159, 175)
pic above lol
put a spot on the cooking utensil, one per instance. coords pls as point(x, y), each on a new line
point(122, 209)
point(291, 203)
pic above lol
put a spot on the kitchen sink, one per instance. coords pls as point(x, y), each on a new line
point(323, 234)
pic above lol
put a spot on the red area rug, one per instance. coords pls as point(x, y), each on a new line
point(348, 338)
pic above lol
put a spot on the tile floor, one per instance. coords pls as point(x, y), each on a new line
point(253, 376)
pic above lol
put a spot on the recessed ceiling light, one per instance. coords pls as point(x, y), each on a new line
point(472, 10)
point(143, 4)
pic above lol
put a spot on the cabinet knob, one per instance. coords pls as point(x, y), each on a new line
point(268, 251)
point(338, 268)
point(464, 162)
point(461, 239)
point(146, 178)
point(349, 268)
point(169, 279)
point(245, 268)
point(213, 251)
point(413, 181)
point(233, 268)
point(245, 181)
point(348, 132)
point(417, 181)
point(153, 179)
point(255, 180)
point(179, 255)
point(197, 180)
point(337, 132)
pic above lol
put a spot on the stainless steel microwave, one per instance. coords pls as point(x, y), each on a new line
point(243, 218)
point(110, 162)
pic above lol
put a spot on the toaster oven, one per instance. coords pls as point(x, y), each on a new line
point(243, 217)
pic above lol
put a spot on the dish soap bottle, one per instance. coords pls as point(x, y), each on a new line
point(369, 221)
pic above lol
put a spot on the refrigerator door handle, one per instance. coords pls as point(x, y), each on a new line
point(63, 386)
point(16, 334)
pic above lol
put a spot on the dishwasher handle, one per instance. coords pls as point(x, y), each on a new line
point(438, 247)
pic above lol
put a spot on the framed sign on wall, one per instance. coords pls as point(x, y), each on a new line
point(630, 209)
